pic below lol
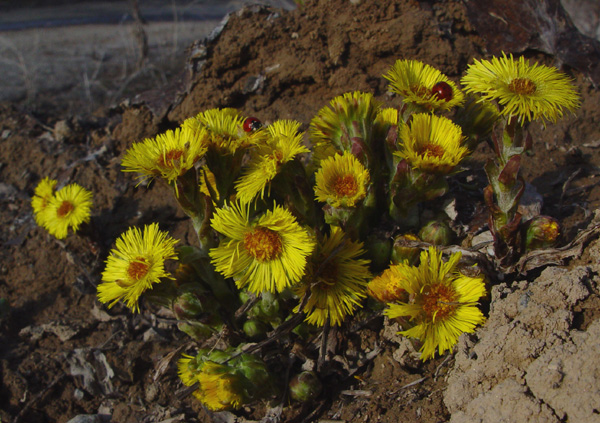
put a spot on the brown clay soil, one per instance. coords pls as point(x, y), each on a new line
point(63, 354)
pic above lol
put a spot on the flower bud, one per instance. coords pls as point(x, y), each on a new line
point(305, 386)
point(541, 232)
point(188, 306)
point(254, 329)
point(437, 233)
point(387, 288)
point(402, 252)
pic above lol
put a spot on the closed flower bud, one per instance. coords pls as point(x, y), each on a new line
point(541, 232)
point(305, 386)
point(188, 306)
point(437, 233)
point(402, 252)
point(254, 329)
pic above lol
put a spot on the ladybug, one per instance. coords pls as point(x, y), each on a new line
point(442, 91)
point(252, 124)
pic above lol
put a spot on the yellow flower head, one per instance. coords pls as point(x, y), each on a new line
point(527, 92)
point(42, 195)
point(282, 144)
point(137, 262)
point(423, 85)
point(387, 287)
point(337, 127)
point(225, 129)
point(219, 387)
point(336, 280)
point(342, 181)
point(169, 155)
point(432, 144)
point(265, 254)
point(68, 208)
point(442, 302)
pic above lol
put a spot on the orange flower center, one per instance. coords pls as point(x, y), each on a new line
point(263, 244)
point(345, 186)
point(432, 150)
point(65, 208)
point(440, 301)
point(522, 86)
point(138, 268)
point(171, 156)
point(420, 91)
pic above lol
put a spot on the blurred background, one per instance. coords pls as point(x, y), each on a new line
point(73, 56)
point(64, 57)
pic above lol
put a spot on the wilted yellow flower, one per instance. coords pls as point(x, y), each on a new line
point(42, 195)
point(282, 144)
point(336, 279)
point(342, 181)
point(432, 144)
point(137, 262)
point(423, 85)
point(169, 155)
point(528, 92)
point(266, 254)
point(68, 208)
point(387, 287)
point(442, 302)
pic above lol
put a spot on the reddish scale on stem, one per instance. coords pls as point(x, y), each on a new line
point(252, 124)
point(442, 91)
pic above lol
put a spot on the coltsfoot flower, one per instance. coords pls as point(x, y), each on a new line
point(283, 144)
point(527, 92)
point(336, 280)
point(342, 181)
point(423, 85)
point(442, 302)
point(168, 155)
point(68, 208)
point(42, 195)
point(135, 264)
point(387, 287)
point(266, 254)
point(346, 124)
point(432, 144)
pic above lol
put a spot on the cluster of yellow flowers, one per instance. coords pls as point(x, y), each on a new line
point(277, 217)
point(57, 211)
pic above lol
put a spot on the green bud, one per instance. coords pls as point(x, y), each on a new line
point(188, 305)
point(541, 232)
point(255, 371)
point(437, 233)
point(254, 329)
point(305, 386)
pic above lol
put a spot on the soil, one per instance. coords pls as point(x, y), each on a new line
point(65, 355)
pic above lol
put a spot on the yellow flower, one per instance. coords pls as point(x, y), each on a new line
point(225, 129)
point(219, 388)
point(432, 144)
point(283, 143)
point(527, 92)
point(342, 181)
point(423, 85)
point(347, 119)
point(42, 195)
point(169, 155)
point(336, 280)
point(137, 262)
point(387, 287)
point(442, 304)
point(68, 208)
point(265, 254)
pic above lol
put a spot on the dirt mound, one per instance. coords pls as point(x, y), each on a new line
point(64, 355)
